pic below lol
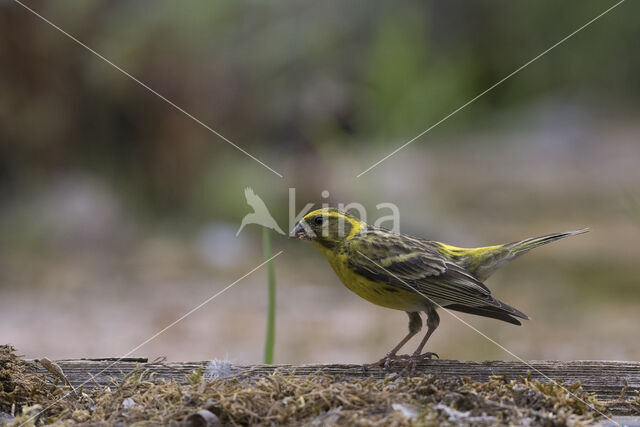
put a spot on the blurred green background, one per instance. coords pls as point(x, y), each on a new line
point(118, 213)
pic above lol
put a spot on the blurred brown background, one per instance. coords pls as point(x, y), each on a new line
point(118, 213)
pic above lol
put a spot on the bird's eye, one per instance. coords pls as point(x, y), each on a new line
point(318, 220)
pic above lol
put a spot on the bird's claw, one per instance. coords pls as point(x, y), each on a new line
point(412, 362)
point(385, 362)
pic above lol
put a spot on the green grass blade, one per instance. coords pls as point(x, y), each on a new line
point(271, 309)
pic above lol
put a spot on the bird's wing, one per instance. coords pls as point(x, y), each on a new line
point(255, 201)
point(416, 267)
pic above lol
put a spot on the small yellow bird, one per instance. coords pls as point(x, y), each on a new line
point(413, 274)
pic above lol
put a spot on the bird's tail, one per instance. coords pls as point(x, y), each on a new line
point(526, 245)
point(482, 262)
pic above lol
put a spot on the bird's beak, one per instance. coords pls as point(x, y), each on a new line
point(299, 231)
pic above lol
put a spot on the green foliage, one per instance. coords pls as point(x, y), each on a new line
point(271, 305)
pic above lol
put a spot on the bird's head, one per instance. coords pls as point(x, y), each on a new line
point(327, 227)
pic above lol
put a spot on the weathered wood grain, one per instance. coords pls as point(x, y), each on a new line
point(604, 378)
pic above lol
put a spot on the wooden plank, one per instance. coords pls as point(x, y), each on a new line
point(604, 378)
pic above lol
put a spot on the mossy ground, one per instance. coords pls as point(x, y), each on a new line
point(284, 398)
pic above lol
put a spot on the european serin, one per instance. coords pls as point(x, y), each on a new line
point(413, 274)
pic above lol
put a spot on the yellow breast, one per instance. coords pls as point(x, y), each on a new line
point(375, 292)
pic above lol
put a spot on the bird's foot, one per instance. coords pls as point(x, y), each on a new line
point(412, 361)
point(386, 361)
point(409, 361)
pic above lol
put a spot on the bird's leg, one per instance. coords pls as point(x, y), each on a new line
point(433, 320)
point(415, 324)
